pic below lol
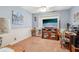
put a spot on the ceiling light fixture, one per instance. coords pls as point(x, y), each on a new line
point(43, 9)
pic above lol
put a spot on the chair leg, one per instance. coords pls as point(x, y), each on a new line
point(61, 44)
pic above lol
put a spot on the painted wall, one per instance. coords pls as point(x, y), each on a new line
point(64, 17)
point(74, 9)
point(18, 33)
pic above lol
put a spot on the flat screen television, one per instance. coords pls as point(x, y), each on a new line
point(50, 22)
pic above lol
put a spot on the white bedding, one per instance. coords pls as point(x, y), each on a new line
point(6, 49)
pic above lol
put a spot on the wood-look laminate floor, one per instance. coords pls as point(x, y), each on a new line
point(37, 44)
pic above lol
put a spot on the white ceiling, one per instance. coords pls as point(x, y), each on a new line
point(35, 9)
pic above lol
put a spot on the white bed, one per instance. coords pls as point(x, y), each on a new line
point(6, 49)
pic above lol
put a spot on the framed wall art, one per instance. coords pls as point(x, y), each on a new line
point(17, 18)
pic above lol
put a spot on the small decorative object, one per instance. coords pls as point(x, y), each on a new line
point(68, 25)
point(17, 18)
